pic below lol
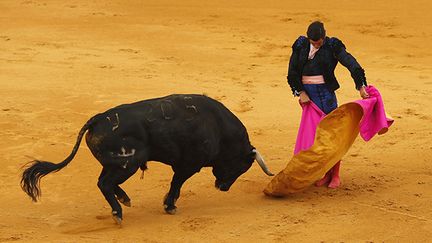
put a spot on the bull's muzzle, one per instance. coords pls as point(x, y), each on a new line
point(223, 186)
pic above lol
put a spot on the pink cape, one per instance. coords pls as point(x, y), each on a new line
point(374, 120)
point(315, 155)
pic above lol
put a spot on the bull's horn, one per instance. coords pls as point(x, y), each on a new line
point(261, 163)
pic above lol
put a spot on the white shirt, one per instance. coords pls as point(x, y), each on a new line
point(312, 52)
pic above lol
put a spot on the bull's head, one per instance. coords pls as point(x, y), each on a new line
point(227, 173)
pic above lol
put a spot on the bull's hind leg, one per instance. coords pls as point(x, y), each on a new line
point(122, 196)
point(108, 183)
point(119, 192)
point(180, 176)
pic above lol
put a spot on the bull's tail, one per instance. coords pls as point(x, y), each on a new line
point(36, 169)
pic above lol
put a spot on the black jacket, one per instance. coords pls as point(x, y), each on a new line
point(329, 54)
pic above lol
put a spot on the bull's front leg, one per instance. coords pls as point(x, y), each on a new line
point(178, 179)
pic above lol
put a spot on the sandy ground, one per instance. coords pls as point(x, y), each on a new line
point(60, 63)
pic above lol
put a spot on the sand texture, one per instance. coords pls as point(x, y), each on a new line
point(61, 62)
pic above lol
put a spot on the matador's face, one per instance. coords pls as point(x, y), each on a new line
point(317, 44)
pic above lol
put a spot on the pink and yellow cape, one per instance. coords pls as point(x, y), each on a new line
point(323, 140)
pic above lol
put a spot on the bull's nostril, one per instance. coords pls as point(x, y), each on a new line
point(224, 188)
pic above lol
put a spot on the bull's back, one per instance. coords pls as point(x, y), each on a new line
point(172, 126)
point(192, 124)
point(186, 109)
point(205, 110)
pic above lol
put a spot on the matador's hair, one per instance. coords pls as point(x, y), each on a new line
point(316, 31)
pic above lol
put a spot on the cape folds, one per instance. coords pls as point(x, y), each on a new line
point(322, 140)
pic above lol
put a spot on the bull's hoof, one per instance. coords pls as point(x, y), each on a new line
point(116, 218)
point(170, 209)
point(125, 202)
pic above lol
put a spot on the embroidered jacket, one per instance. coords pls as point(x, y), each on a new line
point(330, 53)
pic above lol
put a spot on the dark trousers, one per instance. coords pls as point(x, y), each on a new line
point(327, 102)
point(321, 96)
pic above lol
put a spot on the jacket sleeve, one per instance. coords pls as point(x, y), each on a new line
point(294, 75)
point(347, 60)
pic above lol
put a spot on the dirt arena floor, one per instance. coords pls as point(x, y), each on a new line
point(61, 62)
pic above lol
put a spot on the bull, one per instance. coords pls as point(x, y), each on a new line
point(187, 132)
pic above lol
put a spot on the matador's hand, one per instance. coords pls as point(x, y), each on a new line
point(363, 93)
point(304, 98)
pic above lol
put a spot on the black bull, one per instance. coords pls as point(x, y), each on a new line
point(187, 132)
